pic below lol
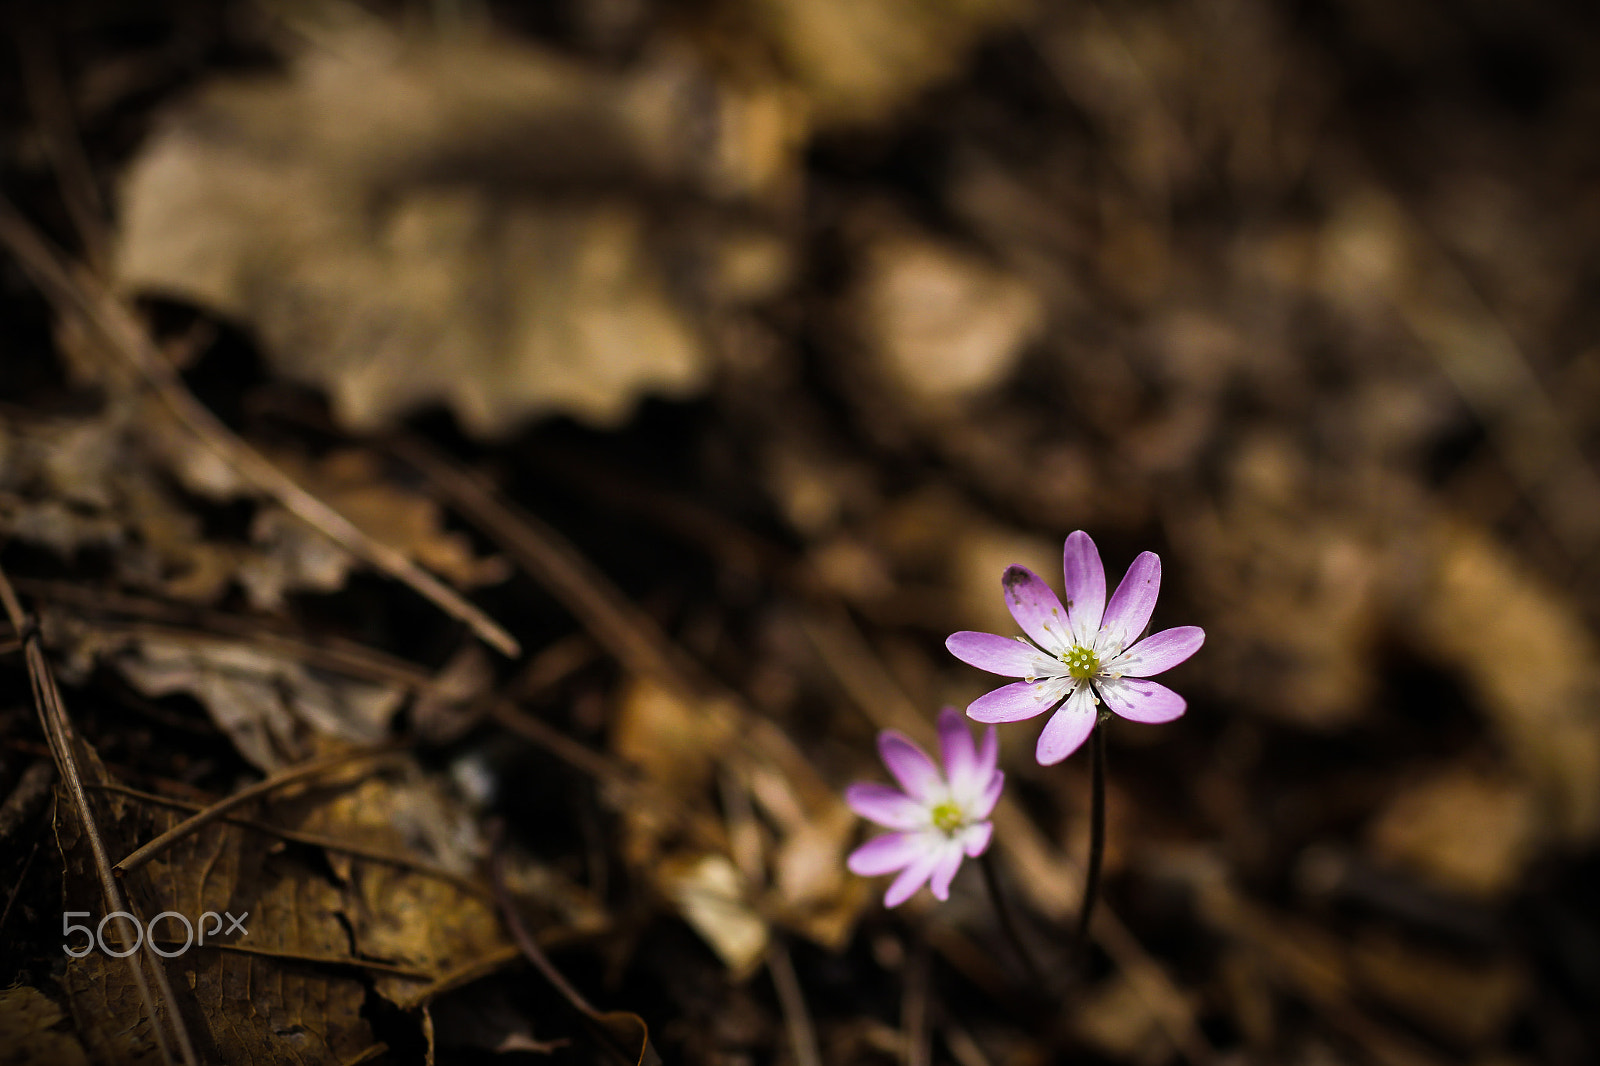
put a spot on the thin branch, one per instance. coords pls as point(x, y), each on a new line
point(792, 1002)
point(316, 840)
point(59, 734)
point(288, 776)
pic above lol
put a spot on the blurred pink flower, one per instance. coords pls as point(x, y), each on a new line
point(937, 817)
point(1081, 654)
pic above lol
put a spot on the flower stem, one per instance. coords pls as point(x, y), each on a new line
point(1097, 832)
point(1008, 925)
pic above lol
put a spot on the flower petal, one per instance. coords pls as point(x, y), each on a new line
point(1129, 610)
point(975, 838)
point(888, 807)
point(1006, 656)
point(1157, 652)
point(945, 870)
point(1142, 701)
point(911, 766)
point(988, 754)
point(1037, 610)
point(886, 854)
point(991, 795)
point(959, 753)
point(1068, 728)
point(912, 877)
point(1013, 703)
point(1086, 587)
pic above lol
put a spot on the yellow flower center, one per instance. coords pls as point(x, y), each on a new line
point(1081, 662)
point(947, 817)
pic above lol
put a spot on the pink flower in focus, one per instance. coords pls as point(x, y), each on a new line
point(937, 817)
point(1075, 656)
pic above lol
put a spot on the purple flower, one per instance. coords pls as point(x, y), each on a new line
point(1081, 654)
point(937, 818)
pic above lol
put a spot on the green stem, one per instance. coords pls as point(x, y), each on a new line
point(1008, 926)
point(1097, 832)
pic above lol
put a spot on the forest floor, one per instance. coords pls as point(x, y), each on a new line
point(476, 478)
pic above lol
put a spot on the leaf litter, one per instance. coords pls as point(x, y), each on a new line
point(749, 342)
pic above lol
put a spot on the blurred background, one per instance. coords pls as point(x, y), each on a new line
point(712, 360)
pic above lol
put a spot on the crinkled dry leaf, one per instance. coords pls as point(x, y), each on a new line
point(422, 922)
point(237, 1006)
point(273, 708)
point(74, 484)
point(352, 481)
point(102, 483)
point(414, 220)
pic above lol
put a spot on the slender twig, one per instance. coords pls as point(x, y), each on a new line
point(792, 1003)
point(1008, 925)
point(291, 775)
point(316, 840)
point(914, 1008)
point(609, 1024)
point(63, 741)
point(1097, 833)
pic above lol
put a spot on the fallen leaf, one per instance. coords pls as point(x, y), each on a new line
point(857, 61)
point(272, 707)
point(943, 324)
point(710, 894)
point(407, 220)
point(1529, 656)
point(1462, 830)
point(401, 911)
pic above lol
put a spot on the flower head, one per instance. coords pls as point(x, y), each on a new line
point(1078, 655)
point(937, 817)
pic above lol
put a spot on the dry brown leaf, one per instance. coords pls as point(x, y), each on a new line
point(74, 484)
point(274, 709)
point(676, 743)
point(291, 988)
point(712, 896)
point(422, 923)
point(942, 324)
point(237, 1006)
point(409, 220)
point(1530, 658)
point(1462, 830)
point(293, 556)
point(859, 60)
